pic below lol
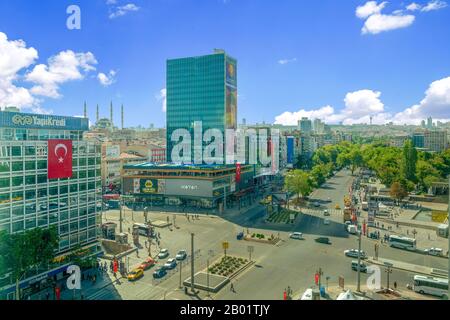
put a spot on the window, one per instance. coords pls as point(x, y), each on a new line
point(17, 181)
point(30, 194)
point(17, 166)
point(42, 164)
point(30, 165)
point(29, 180)
point(30, 151)
point(30, 223)
point(4, 183)
point(42, 220)
point(17, 226)
point(21, 134)
point(16, 151)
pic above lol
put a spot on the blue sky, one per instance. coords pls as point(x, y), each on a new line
point(325, 58)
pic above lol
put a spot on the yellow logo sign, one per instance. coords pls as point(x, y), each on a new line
point(149, 187)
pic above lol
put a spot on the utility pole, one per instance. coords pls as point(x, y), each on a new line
point(120, 219)
point(181, 266)
point(388, 271)
point(192, 263)
point(359, 262)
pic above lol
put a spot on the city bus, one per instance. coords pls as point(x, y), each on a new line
point(432, 286)
point(144, 230)
point(402, 243)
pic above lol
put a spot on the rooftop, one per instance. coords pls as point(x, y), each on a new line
point(172, 166)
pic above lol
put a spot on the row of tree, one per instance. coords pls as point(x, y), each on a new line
point(403, 169)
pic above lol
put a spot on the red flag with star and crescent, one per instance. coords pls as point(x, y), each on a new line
point(59, 159)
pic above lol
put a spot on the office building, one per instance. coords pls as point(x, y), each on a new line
point(305, 125)
point(201, 89)
point(435, 140)
point(31, 197)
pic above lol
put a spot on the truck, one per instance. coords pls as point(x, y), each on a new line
point(347, 214)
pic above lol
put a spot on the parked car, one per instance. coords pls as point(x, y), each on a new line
point(434, 251)
point(326, 222)
point(170, 264)
point(316, 204)
point(296, 235)
point(353, 253)
point(362, 266)
point(147, 264)
point(324, 240)
point(326, 213)
point(135, 274)
point(181, 255)
point(240, 236)
point(159, 273)
point(164, 253)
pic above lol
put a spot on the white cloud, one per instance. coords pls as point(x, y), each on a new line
point(292, 118)
point(361, 105)
point(123, 10)
point(107, 79)
point(436, 104)
point(14, 57)
point(162, 96)
point(65, 66)
point(369, 8)
point(286, 61)
point(111, 2)
point(434, 5)
point(378, 23)
point(413, 7)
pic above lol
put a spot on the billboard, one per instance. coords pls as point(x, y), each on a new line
point(148, 186)
point(112, 152)
point(231, 108)
point(290, 150)
point(39, 121)
point(186, 187)
point(231, 72)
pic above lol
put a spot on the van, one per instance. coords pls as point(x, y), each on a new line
point(362, 266)
point(352, 229)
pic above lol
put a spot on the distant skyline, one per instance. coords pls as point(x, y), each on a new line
point(329, 59)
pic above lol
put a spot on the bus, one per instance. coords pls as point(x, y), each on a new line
point(432, 286)
point(402, 243)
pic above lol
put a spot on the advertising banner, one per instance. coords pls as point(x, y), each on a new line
point(149, 186)
point(231, 108)
point(59, 159)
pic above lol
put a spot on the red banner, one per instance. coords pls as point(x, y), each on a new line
point(238, 172)
point(59, 158)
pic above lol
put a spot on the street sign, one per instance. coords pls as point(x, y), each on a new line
point(225, 245)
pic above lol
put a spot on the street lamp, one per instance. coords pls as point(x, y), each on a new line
point(359, 262)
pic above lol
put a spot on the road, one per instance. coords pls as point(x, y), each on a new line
point(291, 263)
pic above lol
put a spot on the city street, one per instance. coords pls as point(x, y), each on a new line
point(291, 263)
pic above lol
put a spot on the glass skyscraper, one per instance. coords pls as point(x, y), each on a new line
point(28, 199)
point(202, 89)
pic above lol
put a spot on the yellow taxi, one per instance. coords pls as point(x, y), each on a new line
point(337, 207)
point(135, 274)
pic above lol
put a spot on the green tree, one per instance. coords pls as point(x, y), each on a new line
point(22, 252)
point(409, 161)
point(298, 182)
point(426, 174)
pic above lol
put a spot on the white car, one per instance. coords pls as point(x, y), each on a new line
point(296, 235)
point(326, 213)
point(353, 253)
point(164, 253)
point(434, 251)
point(181, 255)
point(307, 295)
point(326, 222)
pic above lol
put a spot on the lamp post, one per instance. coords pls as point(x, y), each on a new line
point(359, 262)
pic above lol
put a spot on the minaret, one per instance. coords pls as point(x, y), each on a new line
point(122, 116)
point(98, 114)
point(85, 110)
point(111, 114)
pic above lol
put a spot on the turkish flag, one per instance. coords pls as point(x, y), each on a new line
point(238, 172)
point(59, 159)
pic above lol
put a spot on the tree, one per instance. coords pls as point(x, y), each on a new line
point(355, 159)
point(21, 252)
point(297, 182)
point(426, 174)
point(398, 191)
point(409, 161)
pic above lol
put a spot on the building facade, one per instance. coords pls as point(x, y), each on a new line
point(28, 199)
point(201, 89)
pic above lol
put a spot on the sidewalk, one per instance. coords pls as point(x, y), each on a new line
point(408, 267)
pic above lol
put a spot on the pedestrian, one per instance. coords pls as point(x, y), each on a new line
point(232, 288)
point(395, 285)
point(47, 295)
